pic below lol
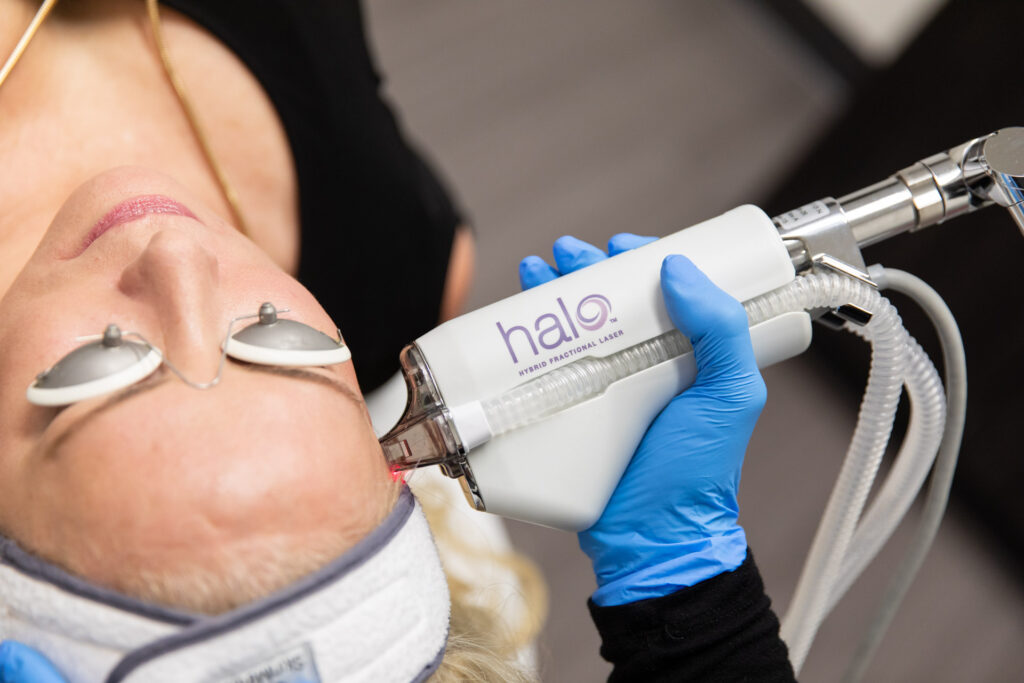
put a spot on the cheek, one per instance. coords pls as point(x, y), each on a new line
point(322, 465)
point(38, 329)
point(245, 286)
point(246, 273)
point(29, 349)
point(198, 480)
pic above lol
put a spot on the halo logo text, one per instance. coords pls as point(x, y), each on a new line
point(552, 329)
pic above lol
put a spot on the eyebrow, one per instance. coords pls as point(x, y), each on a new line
point(154, 381)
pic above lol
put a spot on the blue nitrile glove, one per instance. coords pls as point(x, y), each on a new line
point(671, 521)
point(21, 664)
point(572, 254)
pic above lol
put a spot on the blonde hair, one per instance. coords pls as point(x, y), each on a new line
point(483, 645)
point(478, 649)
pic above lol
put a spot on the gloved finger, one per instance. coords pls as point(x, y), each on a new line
point(715, 323)
point(21, 664)
point(533, 271)
point(625, 241)
point(571, 254)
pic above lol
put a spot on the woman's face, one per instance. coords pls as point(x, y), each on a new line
point(168, 474)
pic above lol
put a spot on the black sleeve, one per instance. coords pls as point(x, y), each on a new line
point(722, 629)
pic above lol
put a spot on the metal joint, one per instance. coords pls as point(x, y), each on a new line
point(925, 194)
point(819, 238)
point(822, 231)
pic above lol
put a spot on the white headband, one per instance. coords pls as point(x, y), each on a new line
point(377, 613)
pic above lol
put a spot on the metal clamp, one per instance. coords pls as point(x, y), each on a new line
point(822, 231)
point(818, 238)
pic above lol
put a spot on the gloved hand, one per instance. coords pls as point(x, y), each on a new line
point(21, 664)
point(671, 521)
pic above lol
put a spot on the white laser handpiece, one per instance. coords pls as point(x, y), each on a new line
point(561, 470)
point(537, 402)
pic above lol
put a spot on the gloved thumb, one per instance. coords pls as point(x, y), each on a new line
point(714, 322)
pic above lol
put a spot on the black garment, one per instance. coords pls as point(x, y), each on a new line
point(722, 629)
point(377, 225)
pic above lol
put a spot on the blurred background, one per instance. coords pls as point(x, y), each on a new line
point(591, 117)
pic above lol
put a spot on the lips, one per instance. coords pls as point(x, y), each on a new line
point(133, 209)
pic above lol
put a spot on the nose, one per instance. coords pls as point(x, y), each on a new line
point(176, 278)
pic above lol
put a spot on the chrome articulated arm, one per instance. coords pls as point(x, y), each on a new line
point(984, 171)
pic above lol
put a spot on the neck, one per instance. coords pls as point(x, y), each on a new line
point(90, 94)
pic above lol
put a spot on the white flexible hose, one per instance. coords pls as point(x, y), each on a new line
point(590, 376)
point(878, 408)
point(955, 364)
point(895, 358)
point(576, 382)
point(909, 470)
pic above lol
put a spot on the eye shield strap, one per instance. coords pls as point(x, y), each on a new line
point(379, 612)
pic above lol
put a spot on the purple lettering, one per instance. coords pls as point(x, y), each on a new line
point(507, 334)
point(568, 318)
point(591, 314)
point(556, 326)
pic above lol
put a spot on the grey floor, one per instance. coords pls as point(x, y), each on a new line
point(592, 117)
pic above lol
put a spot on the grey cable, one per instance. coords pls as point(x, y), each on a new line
point(955, 370)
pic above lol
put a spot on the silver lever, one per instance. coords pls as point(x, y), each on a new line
point(1001, 157)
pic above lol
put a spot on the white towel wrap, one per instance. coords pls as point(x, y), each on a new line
point(377, 613)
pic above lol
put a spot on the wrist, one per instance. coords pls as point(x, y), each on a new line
point(657, 571)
